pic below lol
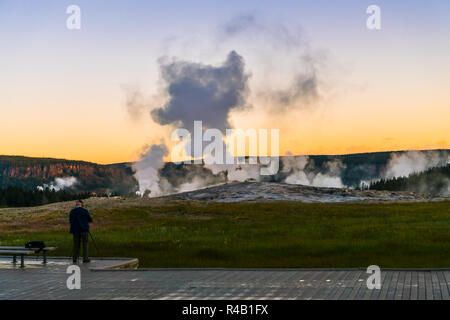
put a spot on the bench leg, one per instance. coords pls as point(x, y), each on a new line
point(14, 259)
point(45, 257)
point(21, 261)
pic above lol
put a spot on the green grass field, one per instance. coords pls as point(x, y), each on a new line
point(282, 234)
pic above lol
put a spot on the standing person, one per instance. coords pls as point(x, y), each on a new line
point(79, 227)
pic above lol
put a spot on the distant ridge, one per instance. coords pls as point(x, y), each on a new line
point(30, 172)
point(118, 178)
point(39, 160)
point(18, 159)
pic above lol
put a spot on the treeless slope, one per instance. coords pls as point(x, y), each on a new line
point(271, 191)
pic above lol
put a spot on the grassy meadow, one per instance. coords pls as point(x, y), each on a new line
point(167, 233)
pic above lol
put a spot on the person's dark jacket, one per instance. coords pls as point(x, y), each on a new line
point(79, 220)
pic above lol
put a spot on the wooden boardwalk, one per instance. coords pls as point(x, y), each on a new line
point(49, 282)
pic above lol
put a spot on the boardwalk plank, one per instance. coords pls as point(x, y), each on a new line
point(385, 285)
point(400, 286)
point(339, 280)
point(447, 279)
point(414, 294)
point(301, 284)
point(407, 286)
point(341, 287)
point(443, 285)
point(363, 289)
point(319, 292)
point(392, 286)
point(357, 285)
point(349, 283)
point(436, 287)
point(329, 284)
point(428, 286)
point(421, 286)
point(309, 284)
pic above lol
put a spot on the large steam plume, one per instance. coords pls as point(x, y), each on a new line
point(202, 92)
point(196, 91)
point(210, 93)
point(147, 169)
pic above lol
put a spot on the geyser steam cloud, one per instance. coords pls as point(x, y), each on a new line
point(196, 92)
point(147, 169)
point(403, 164)
point(59, 184)
point(295, 167)
point(210, 93)
point(202, 92)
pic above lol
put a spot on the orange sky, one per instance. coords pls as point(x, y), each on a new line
point(62, 92)
point(93, 125)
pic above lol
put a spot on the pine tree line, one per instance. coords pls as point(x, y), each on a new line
point(432, 181)
point(18, 197)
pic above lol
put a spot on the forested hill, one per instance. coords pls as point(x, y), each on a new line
point(434, 181)
point(29, 173)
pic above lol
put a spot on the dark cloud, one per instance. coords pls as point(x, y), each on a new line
point(202, 92)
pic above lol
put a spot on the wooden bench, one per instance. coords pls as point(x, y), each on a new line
point(22, 251)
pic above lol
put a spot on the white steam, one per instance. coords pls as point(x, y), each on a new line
point(404, 164)
point(147, 169)
point(59, 184)
point(237, 172)
point(330, 178)
point(197, 183)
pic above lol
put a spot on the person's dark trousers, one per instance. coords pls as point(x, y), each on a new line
point(79, 238)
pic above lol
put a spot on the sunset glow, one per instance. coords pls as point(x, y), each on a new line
point(64, 92)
